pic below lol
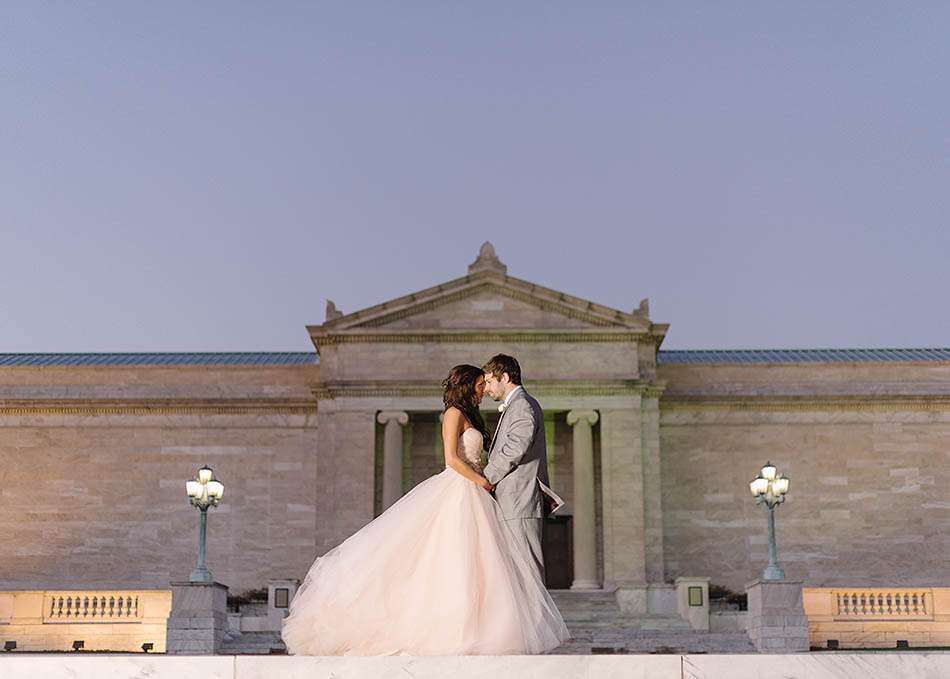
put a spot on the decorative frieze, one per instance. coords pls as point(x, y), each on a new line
point(429, 389)
point(478, 337)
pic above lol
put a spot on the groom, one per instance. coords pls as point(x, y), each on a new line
point(517, 458)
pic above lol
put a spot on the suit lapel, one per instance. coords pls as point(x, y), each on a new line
point(494, 437)
point(518, 394)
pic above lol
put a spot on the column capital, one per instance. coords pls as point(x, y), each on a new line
point(400, 416)
point(575, 416)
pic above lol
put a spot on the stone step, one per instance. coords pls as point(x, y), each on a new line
point(254, 643)
point(653, 641)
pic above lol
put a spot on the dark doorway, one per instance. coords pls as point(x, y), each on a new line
point(558, 545)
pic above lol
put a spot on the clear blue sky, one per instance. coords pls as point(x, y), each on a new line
point(202, 176)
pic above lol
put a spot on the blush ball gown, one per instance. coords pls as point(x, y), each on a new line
point(438, 573)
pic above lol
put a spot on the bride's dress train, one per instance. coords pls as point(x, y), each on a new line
point(436, 574)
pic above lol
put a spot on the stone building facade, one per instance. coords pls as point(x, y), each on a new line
point(652, 449)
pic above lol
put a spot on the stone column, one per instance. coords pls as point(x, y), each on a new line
point(394, 420)
point(585, 519)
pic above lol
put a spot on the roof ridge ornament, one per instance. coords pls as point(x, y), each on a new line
point(332, 312)
point(487, 260)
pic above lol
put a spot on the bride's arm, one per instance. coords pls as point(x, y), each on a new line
point(451, 430)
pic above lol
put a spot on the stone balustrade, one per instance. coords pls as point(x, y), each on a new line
point(880, 617)
point(60, 607)
point(878, 604)
point(104, 620)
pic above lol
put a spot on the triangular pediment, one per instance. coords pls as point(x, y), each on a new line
point(486, 299)
point(490, 305)
point(482, 302)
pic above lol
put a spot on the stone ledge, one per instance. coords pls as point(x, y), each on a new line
point(793, 666)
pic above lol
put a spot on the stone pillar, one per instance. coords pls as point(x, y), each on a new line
point(776, 621)
point(394, 420)
point(279, 595)
point(345, 473)
point(623, 521)
point(692, 601)
point(652, 492)
point(585, 518)
point(199, 620)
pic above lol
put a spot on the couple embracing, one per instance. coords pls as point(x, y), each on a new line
point(455, 566)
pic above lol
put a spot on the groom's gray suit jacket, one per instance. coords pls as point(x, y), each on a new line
point(518, 458)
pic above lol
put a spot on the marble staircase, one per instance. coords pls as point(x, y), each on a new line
point(596, 624)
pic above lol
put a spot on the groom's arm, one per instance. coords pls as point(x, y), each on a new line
point(521, 428)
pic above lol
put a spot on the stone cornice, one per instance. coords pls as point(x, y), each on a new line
point(94, 407)
point(322, 338)
point(773, 403)
point(540, 389)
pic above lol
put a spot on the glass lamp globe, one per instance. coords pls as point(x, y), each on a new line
point(759, 486)
point(193, 488)
point(215, 489)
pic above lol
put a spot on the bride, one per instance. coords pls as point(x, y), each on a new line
point(438, 573)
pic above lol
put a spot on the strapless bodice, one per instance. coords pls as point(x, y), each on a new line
point(470, 448)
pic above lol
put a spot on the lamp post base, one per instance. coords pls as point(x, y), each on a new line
point(773, 572)
point(201, 574)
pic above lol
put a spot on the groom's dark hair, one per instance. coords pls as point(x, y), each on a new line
point(499, 364)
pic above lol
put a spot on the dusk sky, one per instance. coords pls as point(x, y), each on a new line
point(203, 176)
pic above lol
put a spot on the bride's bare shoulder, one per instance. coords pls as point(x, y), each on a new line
point(454, 420)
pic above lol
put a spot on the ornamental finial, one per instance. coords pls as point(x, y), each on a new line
point(332, 312)
point(487, 260)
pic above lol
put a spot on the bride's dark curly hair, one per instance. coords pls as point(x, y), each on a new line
point(459, 391)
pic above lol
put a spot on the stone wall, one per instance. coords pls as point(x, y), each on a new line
point(866, 448)
point(93, 463)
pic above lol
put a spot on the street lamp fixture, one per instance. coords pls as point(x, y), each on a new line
point(204, 491)
point(769, 488)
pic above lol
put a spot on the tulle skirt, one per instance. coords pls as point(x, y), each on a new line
point(438, 573)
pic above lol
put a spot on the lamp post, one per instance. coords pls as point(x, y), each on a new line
point(204, 491)
point(769, 488)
